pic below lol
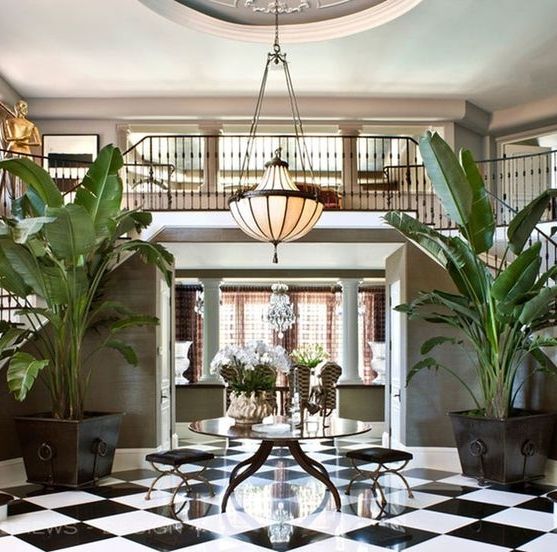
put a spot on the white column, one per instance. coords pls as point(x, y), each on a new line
point(350, 347)
point(211, 307)
point(211, 160)
point(350, 185)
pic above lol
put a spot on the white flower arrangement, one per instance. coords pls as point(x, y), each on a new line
point(251, 364)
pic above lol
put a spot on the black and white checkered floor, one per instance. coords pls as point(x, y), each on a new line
point(280, 508)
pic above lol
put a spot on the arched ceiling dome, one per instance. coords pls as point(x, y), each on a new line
point(300, 20)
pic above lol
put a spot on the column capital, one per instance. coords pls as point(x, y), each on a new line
point(349, 129)
point(210, 129)
point(210, 283)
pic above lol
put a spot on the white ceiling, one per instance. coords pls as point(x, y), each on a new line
point(296, 255)
point(495, 53)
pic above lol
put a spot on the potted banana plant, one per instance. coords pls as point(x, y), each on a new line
point(500, 311)
point(55, 257)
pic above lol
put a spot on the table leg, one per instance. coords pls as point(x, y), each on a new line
point(315, 469)
point(253, 464)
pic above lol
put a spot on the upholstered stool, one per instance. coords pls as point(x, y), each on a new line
point(381, 457)
point(174, 459)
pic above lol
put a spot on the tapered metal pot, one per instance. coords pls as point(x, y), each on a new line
point(503, 451)
point(68, 453)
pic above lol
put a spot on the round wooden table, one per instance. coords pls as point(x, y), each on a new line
point(311, 429)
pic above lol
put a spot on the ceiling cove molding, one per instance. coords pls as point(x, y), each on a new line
point(338, 108)
point(304, 32)
point(525, 117)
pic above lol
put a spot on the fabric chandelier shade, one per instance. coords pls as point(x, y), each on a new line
point(276, 210)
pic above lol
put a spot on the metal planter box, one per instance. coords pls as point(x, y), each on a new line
point(68, 453)
point(503, 451)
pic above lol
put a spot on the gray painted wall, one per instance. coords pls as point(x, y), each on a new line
point(430, 395)
point(116, 386)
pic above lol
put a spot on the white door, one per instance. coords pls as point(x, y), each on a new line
point(165, 367)
point(395, 365)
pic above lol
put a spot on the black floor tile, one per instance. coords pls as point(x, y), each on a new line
point(466, 508)
point(93, 510)
point(540, 504)
point(339, 461)
point(281, 536)
point(534, 489)
point(56, 538)
point(388, 536)
point(24, 491)
point(444, 489)
point(172, 537)
point(496, 533)
point(184, 511)
point(134, 475)
point(19, 507)
point(114, 491)
point(425, 473)
point(371, 509)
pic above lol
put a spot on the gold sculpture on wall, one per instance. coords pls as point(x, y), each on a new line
point(19, 134)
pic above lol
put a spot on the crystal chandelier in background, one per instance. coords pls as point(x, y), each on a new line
point(280, 313)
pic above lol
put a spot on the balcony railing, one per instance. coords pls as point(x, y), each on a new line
point(351, 173)
point(202, 172)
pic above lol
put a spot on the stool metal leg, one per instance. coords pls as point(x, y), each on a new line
point(162, 473)
point(185, 477)
point(375, 475)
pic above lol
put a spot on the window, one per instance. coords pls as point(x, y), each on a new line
point(243, 319)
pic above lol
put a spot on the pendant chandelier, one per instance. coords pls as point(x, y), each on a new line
point(280, 313)
point(276, 210)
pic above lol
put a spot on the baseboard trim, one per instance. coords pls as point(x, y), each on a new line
point(12, 472)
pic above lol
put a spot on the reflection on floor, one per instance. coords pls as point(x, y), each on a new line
point(280, 508)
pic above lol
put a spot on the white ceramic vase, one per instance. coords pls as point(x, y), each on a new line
point(250, 408)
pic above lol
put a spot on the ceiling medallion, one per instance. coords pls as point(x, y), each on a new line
point(282, 7)
point(320, 20)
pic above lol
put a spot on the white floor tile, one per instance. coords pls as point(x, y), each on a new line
point(334, 523)
point(131, 522)
point(461, 480)
point(420, 500)
point(34, 521)
point(65, 498)
point(13, 544)
point(545, 543)
point(446, 543)
point(114, 545)
point(229, 523)
point(428, 520)
point(502, 498)
point(339, 544)
point(529, 519)
point(158, 498)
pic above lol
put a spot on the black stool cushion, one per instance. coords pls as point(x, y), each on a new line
point(379, 455)
point(178, 457)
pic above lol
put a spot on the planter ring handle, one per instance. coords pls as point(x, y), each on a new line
point(478, 448)
point(528, 448)
point(100, 447)
point(45, 452)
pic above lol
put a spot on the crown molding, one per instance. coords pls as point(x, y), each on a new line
point(218, 108)
point(304, 32)
point(524, 117)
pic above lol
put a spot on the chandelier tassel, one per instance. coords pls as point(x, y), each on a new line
point(275, 256)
